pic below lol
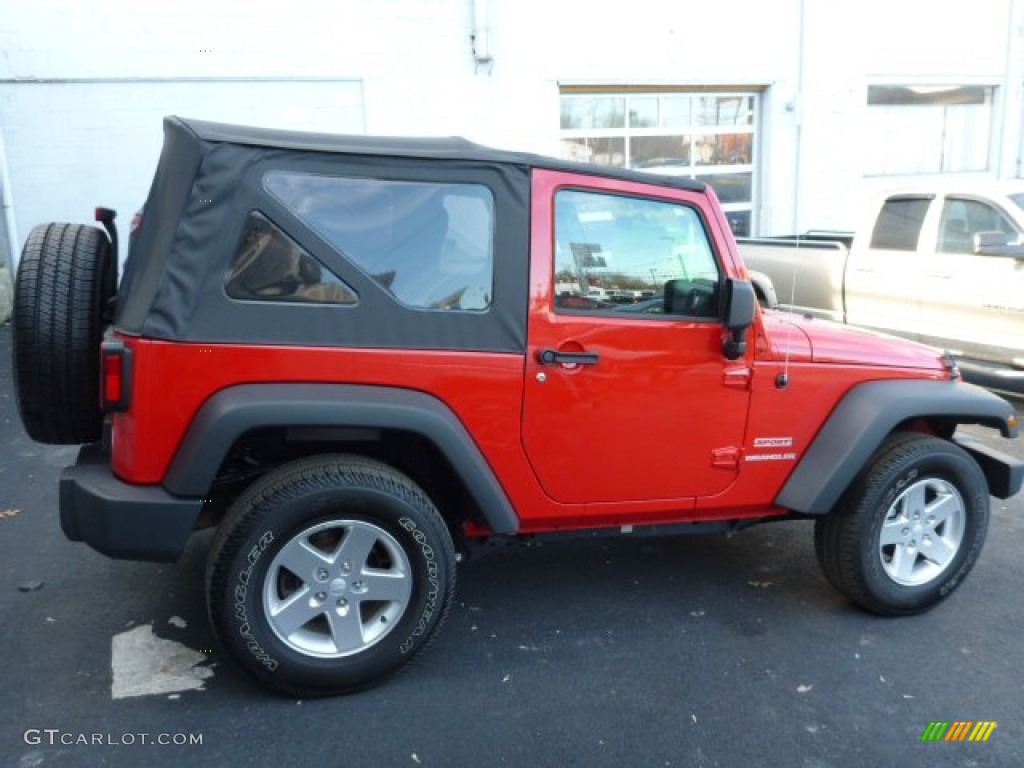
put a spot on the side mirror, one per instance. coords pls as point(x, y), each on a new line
point(995, 243)
point(740, 310)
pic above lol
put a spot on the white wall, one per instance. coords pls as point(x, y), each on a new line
point(73, 146)
point(405, 67)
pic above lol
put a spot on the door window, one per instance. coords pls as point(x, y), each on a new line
point(963, 219)
point(632, 257)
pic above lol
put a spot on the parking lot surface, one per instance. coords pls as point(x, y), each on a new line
point(699, 651)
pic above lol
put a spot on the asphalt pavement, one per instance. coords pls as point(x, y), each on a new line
point(696, 651)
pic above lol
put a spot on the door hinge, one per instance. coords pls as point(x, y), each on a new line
point(725, 458)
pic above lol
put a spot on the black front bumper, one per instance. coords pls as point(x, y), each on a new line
point(130, 522)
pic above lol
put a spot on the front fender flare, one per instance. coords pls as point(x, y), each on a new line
point(232, 412)
point(862, 420)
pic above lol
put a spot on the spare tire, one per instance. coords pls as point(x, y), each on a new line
point(66, 277)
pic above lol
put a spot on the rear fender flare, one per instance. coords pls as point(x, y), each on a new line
point(232, 412)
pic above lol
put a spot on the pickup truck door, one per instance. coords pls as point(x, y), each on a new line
point(970, 302)
point(624, 402)
point(883, 273)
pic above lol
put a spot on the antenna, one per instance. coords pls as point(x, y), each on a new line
point(782, 380)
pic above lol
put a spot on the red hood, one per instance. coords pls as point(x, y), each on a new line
point(821, 341)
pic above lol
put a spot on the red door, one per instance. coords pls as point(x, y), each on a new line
point(628, 397)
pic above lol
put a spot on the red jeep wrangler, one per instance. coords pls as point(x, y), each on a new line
point(358, 356)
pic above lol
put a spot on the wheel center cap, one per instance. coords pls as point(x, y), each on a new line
point(337, 586)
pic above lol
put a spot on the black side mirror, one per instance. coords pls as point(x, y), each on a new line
point(740, 310)
point(995, 243)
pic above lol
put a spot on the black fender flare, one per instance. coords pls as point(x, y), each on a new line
point(232, 412)
point(862, 420)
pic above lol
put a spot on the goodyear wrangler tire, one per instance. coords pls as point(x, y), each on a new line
point(65, 278)
point(910, 528)
point(329, 573)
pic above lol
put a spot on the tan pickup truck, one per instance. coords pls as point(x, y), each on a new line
point(944, 266)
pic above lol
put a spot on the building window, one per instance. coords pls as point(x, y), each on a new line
point(915, 129)
point(701, 135)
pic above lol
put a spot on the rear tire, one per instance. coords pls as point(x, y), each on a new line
point(329, 573)
point(909, 529)
point(65, 279)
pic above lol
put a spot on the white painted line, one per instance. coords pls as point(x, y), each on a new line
point(146, 665)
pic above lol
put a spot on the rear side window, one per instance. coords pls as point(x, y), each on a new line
point(430, 245)
point(270, 266)
point(899, 223)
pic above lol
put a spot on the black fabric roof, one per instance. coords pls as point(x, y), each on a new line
point(450, 148)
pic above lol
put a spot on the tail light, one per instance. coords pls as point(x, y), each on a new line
point(116, 371)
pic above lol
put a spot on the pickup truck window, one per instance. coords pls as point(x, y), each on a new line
point(962, 219)
point(899, 223)
point(615, 253)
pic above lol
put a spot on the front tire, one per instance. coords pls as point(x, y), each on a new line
point(329, 573)
point(909, 529)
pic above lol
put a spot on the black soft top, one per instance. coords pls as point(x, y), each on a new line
point(209, 180)
point(445, 148)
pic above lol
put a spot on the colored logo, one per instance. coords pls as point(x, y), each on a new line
point(958, 730)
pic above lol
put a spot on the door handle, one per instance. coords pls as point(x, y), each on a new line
point(554, 357)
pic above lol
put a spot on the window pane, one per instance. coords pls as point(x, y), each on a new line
point(604, 151)
point(965, 146)
point(582, 113)
point(899, 224)
point(724, 149)
point(935, 95)
point(643, 112)
point(675, 112)
point(928, 129)
point(724, 110)
point(962, 219)
point(621, 255)
point(730, 187)
point(739, 223)
point(661, 154)
point(429, 245)
point(270, 266)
